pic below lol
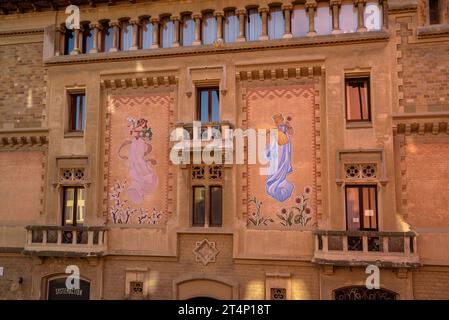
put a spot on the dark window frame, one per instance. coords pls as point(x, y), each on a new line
point(210, 205)
point(209, 89)
point(193, 206)
point(349, 80)
point(73, 126)
point(361, 217)
point(434, 11)
point(75, 204)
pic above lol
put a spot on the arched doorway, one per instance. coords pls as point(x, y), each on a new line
point(363, 293)
point(57, 289)
point(211, 288)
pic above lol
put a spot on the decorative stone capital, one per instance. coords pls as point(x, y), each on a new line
point(264, 10)
point(175, 18)
point(96, 26)
point(356, 2)
point(335, 3)
point(114, 23)
point(218, 14)
point(134, 21)
point(196, 16)
point(287, 7)
point(311, 4)
point(240, 12)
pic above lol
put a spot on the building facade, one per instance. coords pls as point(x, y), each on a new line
point(92, 117)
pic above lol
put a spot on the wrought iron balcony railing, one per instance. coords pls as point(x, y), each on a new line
point(66, 240)
point(358, 248)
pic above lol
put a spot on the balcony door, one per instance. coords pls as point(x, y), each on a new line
point(361, 207)
point(208, 105)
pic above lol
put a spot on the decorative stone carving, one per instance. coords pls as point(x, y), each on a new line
point(205, 252)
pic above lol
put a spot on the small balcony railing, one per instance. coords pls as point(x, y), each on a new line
point(395, 249)
point(66, 240)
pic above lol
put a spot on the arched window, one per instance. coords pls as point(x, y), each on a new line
point(69, 41)
point(166, 32)
point(300, 22)
point(253, 25)
point(127, 36)
point(363, 293)
point(231, 26)
point(323, 20)
point(107, 35)
point(348, 17)
point(373, 16)
point(147, 34)
point(209, 28)
point(188, 30)
point(276, 23)
point(88, 39)
point(57, 289)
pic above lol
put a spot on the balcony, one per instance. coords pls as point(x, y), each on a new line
point(66, 241)
point(361, 248)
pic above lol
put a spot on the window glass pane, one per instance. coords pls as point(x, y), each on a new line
point(253, 25)
point(215, 106)
point(127, 37)
point(204, 106)
point(300, 22)
point(373, 16)
point(147, 34)
point(199, 206)
point(276, 24)
point(167, 32)
point(353, 101)
point(107, 39)
point(364, 99)
point(88, 39)
point(188, 31)
point(209, 28)
point(216, 206)
point(80, 205)
point(69, 41)
point(348, 18)
point(369, 208)
point(231, 27)
point(352, 208)
point(434, 17)
point(69, 202)
point(323, 20)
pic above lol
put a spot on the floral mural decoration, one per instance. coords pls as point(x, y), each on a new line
point(256, 218)
point(122, 213)
point(298, 214)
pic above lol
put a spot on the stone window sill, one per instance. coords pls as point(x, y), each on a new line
point(436, 30)
point(74, 134)
point(359, 125)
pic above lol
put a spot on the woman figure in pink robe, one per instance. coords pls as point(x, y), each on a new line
point(144, 179)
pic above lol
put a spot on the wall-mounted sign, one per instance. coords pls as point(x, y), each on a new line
point(57, 290)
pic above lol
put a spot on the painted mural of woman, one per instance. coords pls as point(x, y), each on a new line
point(144, 179)
point(279, 157)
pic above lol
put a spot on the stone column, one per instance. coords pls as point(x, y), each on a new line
point(135, 24)
point(264, 14)
point(76, 41)
point(59, 35)
point(115, 34)
point(175, 20)
point(241, 14)
point(96, 28)
point(219, 16)
point(335, 5)
point(197, 19)
point(360, 4)
point(288, 21)
point(384, 13)
point(155, 22)
point(311, 8)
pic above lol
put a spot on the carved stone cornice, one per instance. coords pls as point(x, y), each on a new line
point(23, 138)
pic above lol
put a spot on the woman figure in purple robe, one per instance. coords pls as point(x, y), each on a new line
point(144, 179)
point(279, 157)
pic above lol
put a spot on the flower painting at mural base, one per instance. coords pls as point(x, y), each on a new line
point(126, 197)
point(298, 214)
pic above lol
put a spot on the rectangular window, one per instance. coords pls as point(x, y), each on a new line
point(216, 197)
point(199, 206)
point(361, 207)
point(166, 31)
point(69, 41)
point(208, 105)
point(231, 26)
point(77, 110)
point(188, 31)
point(253, 25)
point(434, 14)
point(358, 99)
point(73, 206)
point(106, 37)
point(276, 24)
point(209, 28)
